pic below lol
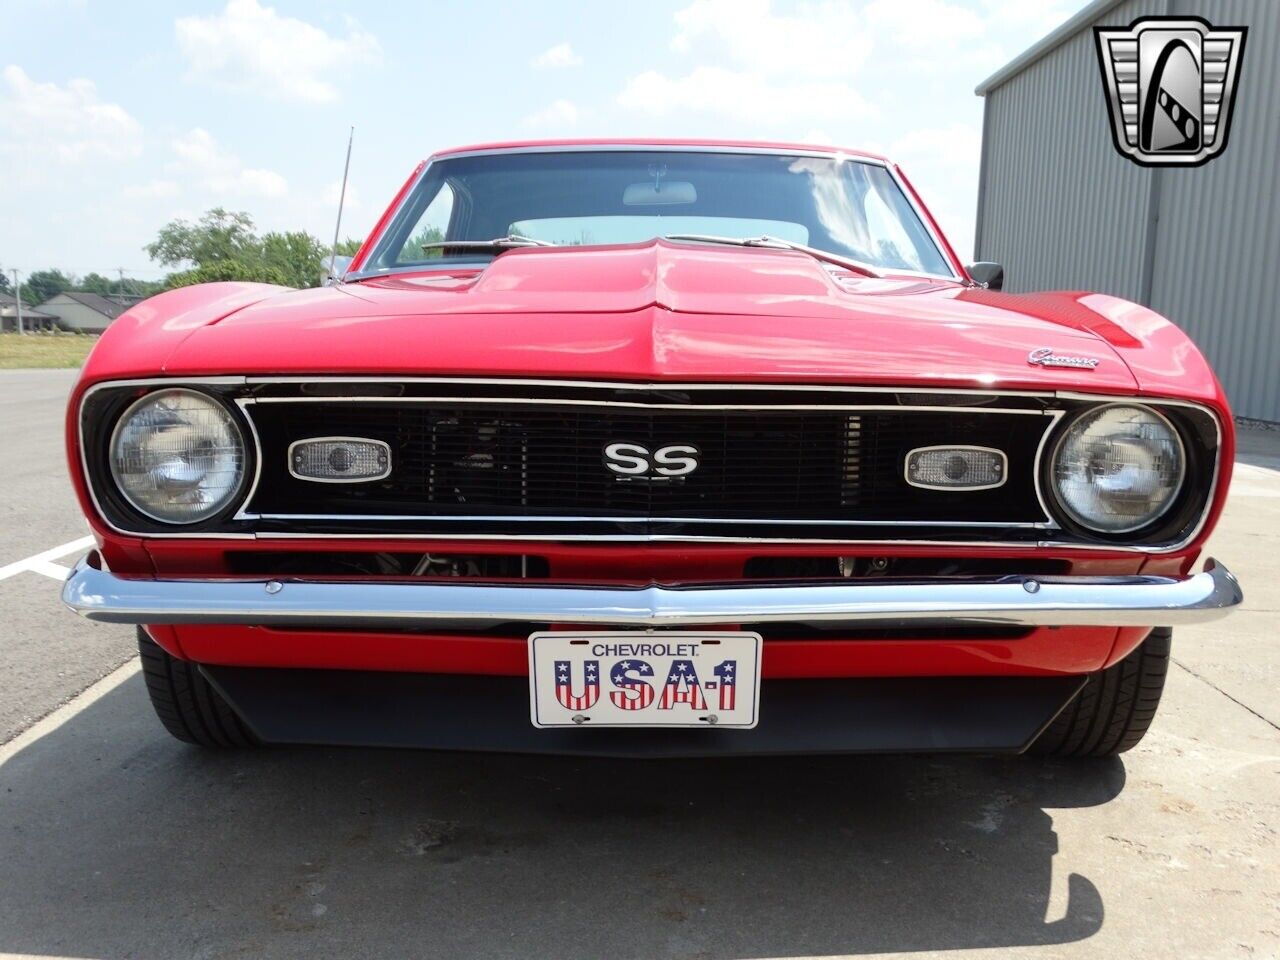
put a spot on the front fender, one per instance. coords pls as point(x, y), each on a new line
point(141, 340)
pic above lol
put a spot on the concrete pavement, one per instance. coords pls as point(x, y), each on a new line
point(37, 506)
point(46, 657)
point(116, 841)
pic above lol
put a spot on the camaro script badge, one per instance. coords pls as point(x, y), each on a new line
point(1045, 357)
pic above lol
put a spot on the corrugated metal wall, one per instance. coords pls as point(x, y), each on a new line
point(1061, 209)
point(1217, 252)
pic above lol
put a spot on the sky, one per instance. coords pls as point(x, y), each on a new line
point(117, 116)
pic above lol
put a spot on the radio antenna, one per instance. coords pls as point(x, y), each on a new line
point(342, 197)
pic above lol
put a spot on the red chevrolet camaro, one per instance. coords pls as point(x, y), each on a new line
point(652, 449)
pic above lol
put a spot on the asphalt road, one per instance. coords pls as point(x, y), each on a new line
point(46, 656)
point(116, 841)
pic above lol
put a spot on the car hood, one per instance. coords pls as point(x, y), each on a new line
point(665, 311)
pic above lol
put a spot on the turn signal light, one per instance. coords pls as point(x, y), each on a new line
point(956, 468)
point(339, 459)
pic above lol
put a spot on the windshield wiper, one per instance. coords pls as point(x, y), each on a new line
point(777, 243)
point(509, 242)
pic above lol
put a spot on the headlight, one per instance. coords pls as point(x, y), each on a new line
point(178, 456)
point(1118, 468)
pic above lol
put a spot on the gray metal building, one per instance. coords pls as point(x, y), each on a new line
point(32, 319)
point(86, 312)
point(1063, 210)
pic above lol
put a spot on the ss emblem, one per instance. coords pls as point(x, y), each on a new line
point(633, 460)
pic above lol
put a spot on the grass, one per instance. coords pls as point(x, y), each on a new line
point(44, 349)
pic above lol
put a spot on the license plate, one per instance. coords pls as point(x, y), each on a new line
point(676, 679)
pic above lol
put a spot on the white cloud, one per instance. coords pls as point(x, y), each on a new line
point(819, 40)
point(67, 124)
point(264, 183)
point(220, 171)
point(561, 55)
point(251, 47)
point(948, 187)
point(957, 39)
point(744, 96)
point(860, 73)
point(1029, 19)
point(558, 114)
point(332, 193)
point(818, 135)
point(198, 149)
point(159, 189)
point(923, 24)
point(755, 65)
point(936, 142)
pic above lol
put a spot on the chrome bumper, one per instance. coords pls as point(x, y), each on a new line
point(1007, 601)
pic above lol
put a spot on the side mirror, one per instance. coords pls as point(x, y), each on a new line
point(987, 274)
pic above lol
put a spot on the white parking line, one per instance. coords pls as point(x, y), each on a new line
point(84, 699)
point(42, 562)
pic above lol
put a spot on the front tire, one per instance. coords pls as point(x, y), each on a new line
point(186, 703)
point(1116, 706)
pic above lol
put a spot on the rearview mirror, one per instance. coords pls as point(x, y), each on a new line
point(659, 193)
point(987, 274)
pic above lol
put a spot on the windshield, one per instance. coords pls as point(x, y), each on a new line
point(845, 207)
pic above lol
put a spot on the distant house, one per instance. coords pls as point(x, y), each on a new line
point(86, 312)
point(32, 319)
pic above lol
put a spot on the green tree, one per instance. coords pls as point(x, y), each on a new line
point(97, 283)
point(43, 284)
point(138, 288)
point(105, 286)
point(348, 247)
point(297, 255)
point(258, 272)
point(224, 245)
point(218, 235)
point(5, 285)
point(412, 251)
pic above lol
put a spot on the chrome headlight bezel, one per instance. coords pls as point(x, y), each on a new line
point(111, 488)
point(1203, 426)
point(1152, 522)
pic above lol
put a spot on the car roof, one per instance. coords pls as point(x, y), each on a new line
point(675, 144)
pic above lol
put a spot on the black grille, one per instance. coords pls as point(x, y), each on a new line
point(546, 460)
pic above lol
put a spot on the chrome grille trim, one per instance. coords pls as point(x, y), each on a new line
point(517, 382)
point(634, 405)
point(1045, 523)
point(503, 518)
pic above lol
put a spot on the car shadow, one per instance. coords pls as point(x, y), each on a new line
point(116, 841)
